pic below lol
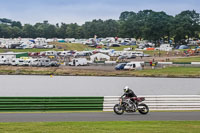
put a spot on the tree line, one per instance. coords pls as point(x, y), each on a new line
point(147, 24)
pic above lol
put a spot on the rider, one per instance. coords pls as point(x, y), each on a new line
point(129, 94)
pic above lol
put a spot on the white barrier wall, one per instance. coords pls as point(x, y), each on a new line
point(160, 102)
point(165, 63)
point(195, 63)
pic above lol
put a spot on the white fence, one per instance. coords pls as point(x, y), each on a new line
point(161, 102)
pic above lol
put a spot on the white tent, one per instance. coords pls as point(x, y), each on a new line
point(99, 56)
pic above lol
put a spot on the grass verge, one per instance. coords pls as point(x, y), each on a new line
point(170, 72)
point(82, 111)
point(71, 46)
point(102, 127)
point(26, 50)
point(187, 59)
point(184, 72)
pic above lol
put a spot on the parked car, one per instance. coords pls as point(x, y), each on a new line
point(43, 62)
point(4, 61)
point(42, 54)
point(131, 56)
point(120, 66)
point(53, 64)
point(14, 62)
point(33, 54)
point(27, 62)
point(146, 55)
point(78, 62)
point(122, 57)
point(133, 66)
point(20, 62)
point(34, 62)
point(143, 55)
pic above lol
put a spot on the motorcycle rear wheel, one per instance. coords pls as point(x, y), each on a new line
point(118, 109)
point(143, 110)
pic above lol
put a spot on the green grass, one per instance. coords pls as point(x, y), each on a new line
point(80, 111)
point(189, 72)
point(78, 47)
point(81, 47)
point(27, 50)
point(102, 127)
point(72, 46)
point(187, 59)
point(2, 51)
point(121, 48)
point(171, 72)
point(152, 52)
point(63, 46)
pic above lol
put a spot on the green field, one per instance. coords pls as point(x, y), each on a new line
point(170, 72)
point(64, 46)
point(121, 48)
point(187, 59)
point(81, 47)
point(152, 52)
point(27, 50)
point(59, 47)
point(102, 127)
point(189, 72)
point(71, 46)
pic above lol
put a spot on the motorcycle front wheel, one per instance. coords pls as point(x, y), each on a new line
point(118, 109)
point(143, 108)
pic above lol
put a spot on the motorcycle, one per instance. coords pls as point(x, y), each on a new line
point(131, 105)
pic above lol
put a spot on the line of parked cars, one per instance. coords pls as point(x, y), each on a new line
point(130, 66)
point(24, 61)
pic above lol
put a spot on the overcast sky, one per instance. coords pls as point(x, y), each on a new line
point(79, 11)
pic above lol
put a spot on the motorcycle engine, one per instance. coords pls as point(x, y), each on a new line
point(130, 106)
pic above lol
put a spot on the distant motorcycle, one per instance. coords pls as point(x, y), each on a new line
point(127, 105)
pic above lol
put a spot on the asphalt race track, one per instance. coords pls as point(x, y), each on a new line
point(98, 116)
point(94, 86)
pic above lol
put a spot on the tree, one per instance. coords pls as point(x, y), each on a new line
point(131, 28)
point(16, 24)
point(61, 31)
point(186, 25)
point(72, 30)
point(108, 28)
point(5, 31)
point(45, 30)
point(51, 31)
point(157, 26)
point(146, 24)
point(126, 15)
point(29, 31)
point(111, 28)
point(5, 21)
point(16, 32)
